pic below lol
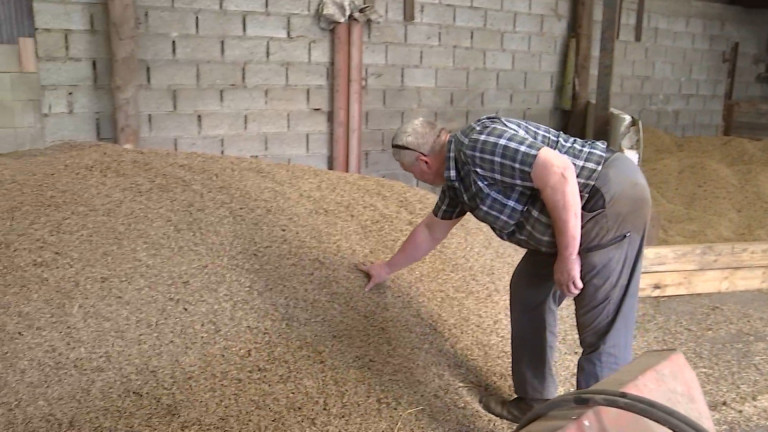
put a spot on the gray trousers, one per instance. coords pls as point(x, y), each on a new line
point(614, 222)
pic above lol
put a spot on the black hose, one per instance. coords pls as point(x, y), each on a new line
point(642, 406)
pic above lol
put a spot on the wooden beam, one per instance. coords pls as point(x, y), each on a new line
point(703, 281)
point(605, 69)
point(714, 256)
point(731, 58)
point(409, 11)
point(123, 35)
point(584, 19)
point(639, 21)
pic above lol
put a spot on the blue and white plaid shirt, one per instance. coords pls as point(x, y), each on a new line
point(488, 173)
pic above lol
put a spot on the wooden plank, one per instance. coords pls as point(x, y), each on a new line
point(676, 258)
point(639, 21)
point(703, 281)
point(123, 36)
point(584, 20)
point(732, 59)
point(409, 11)
point(605, 69)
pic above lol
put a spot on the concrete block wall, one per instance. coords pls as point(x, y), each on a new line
point(20, 122)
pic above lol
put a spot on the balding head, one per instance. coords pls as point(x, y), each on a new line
point(420, 135)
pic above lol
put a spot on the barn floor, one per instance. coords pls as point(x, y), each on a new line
point(154, 291)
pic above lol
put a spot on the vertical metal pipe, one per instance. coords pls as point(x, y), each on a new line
point(340, 96)
point(355, 94)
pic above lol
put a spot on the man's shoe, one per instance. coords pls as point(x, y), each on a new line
point(511, 410)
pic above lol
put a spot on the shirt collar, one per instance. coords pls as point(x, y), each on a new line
point(451, 174)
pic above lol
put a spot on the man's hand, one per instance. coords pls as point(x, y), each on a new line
point(378, 272)
point(568, 275)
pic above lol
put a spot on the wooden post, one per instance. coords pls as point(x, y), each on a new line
point(577, 120)
point(639, 20)
point(732, 59)
point(125, 70)
point(605, 69)
point(409, 11)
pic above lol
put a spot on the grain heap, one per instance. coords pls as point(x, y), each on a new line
point(707, 189)
point(154, 291)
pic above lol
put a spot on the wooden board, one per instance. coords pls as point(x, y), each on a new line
point(705, 257)
point(703, 281)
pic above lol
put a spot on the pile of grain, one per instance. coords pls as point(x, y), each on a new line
point(707, 189)
point(154, 291)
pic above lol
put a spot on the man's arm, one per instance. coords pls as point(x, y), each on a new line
point(419, 243)
point(555, 178)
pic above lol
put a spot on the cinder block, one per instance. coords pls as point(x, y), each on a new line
point(320, 98)
point(65, 73)
point(155, 100)
point(18, 114)
point(465, 58)
point(688, 87)
point(482, 79)
point(642, 68)
point(458, 2)
point(516, 5)
point(244, 99)
point(320, 142)
point(306, 26)
point(371, 140)
point(245, 145)
point(266, 25)
point(88, 45)
point(504, 21)
point(554, 25)
point(23, 86)
point(74, 127)
point(401, 98)
point(288, 50)
point(61, 16)
point(158, 143)
point(419, 77)
point(701, 41)
point(538, 81)
point(384, 119)
point(374, 98)
point(163, 75)
point(403, 55)
point(85, 99)
point(454, 36)
point(245, 5)
point(30, 138)
point(265, 74)
point(55, 101)
point(198, 48)
point(8, 141)
point(487, 4)
point(245, 50)
point(374, 54)
point(550, 63)
point(380, 161)
point(50, 44)
point(287, 143)
point(319, 161)
point(384, 76)
point(471, 17)
point(307, 74)
point(158, 3)
point(9, 58)
point(495, 99)
point(267, 121)
point(486, 39)
point(517, 41)
point(452, 78)
point(498, 60)
point(387, 33)
point(525, 99)
point(196, 4)
point(174, 124)
point(222, 123)
point(188, 100)
point(308, 121)
point(437, 14)
point(468, 98)
point(528, 23)
point(544, 44)
point(413, 114)
point(683, 40)
point(103, 73)
point(155, 47)
point(220, 74)
point(422, 34)
point(200, 145)
point(172, 21)
point(453, 118)
point(526, 62)
point(435, 98)
point(437, 56)
point(631, 85)
point(220, 24)
point(105, 127)
point(288, 6)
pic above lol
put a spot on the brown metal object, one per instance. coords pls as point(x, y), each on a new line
point(409, 11)
point(355, 94)
point(639, 20)
point(577, 120)
point(732, 59)
point(123, 37)
point(605, 68)
point(340, 96)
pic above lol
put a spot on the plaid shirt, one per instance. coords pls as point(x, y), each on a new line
point(488, 173)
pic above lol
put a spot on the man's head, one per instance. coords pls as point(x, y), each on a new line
point(419, 147)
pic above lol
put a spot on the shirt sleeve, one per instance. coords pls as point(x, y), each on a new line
point(448, 206)
point(503, 155)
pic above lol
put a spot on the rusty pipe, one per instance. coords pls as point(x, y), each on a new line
point(355, 94)
point(340, 96)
